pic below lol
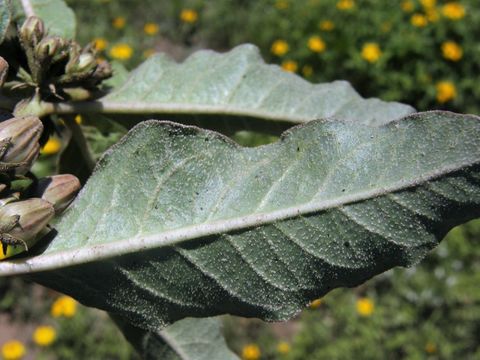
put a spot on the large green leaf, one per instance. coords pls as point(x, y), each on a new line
point(5, 17)
point(187, 339)
point(231, 91)
point(58, 17)
point(178, 221)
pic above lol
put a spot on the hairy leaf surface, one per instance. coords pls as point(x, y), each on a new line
point(178, 221)
point(5, 17)
point(58, 17)
point(231, 91)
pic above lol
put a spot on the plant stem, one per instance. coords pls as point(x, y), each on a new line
point(79, 138)
point(28, 8)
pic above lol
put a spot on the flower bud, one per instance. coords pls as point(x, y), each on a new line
point(19, 146)
point(23, 221)
point(103, 71)
point(32, 31)
point(49, 47)
point(3, 70)
point(81, 64)
point(59, 190)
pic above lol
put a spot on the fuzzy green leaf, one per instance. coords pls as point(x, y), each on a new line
point(5, 17)
point(187, 339)
point(58, 17)
point(178, 221)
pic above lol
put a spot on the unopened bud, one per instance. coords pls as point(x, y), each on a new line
point(49, 47)
point(59, 190)
point(3, 70)
point(103, 71)
point(81, 64)
point(32, 31)
point(22, 221)
point(19, 146)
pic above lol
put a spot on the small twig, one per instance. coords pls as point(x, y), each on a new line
point(79, 138)
point(28, 8)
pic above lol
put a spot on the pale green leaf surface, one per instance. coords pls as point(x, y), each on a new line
point(187, 339)
point(5, 17)
point(238, 84)
point(58, 17)
point(178, 221)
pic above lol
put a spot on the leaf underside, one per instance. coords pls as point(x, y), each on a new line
point(178, 221)
point(237, 90)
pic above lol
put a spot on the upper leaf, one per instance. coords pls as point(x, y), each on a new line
point(58, 17)
point(238, 85)
point(178, 221)
point(5, 17)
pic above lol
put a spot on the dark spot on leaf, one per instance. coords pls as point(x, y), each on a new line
point(346, 244)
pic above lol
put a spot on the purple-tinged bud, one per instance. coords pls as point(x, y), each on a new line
point(49, 47)
point(22, 221)
point(59, 190)
point(32, 31)
point(19, 146)
point(3, 70)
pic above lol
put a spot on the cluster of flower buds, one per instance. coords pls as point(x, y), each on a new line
point(58, 66)
point(27, 204)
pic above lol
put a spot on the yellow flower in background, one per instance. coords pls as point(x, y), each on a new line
point(316, 44)
point(371, 52)
point(52, 146)
point(44, 335)
point(251, 352)
point(430, 348)
point(79, 119)
point(290, 65)
point(446, 91)
point(189, 16)
point(64, 306)
point(307, 70)
point(282, 4)
point(326, 25)
point(100, 44)
point(279, 47)
point(407, 5)
point(151, 29)
point(345, 5)
point(13, 350)
point(283, 348)
point(419, 20)
point(365, 307)
point(315, 304)
point(121, 52)
point(453, 11)
point(452, 51)
point(428, 4)
point(119, 22)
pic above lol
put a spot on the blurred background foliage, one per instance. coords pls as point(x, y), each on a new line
point(421, 52)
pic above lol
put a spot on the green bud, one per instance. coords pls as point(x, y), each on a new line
point(32, 31)
point(49, 47)
point(22, 221)
point(81, 64)
point(19, 146)
point(3, 70)
point(59, 190)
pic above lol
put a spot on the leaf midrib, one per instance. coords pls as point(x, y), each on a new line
point(172, 237)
